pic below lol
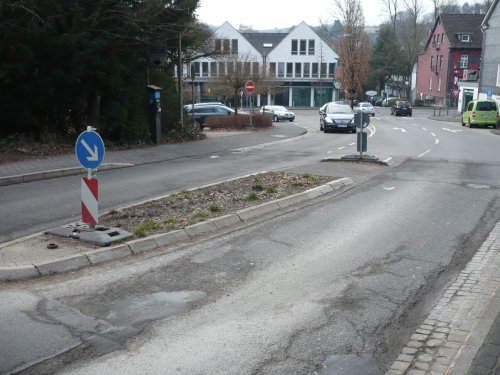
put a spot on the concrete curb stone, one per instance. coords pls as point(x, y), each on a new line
point(165, 239)
point(21, 272)
point(28, 177)
point(61, 265)
point(142, 244)
point(252, 212)
point(107, 254)
point(226, 220)
point(200, 228)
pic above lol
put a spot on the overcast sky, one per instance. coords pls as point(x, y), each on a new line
point(270, 14)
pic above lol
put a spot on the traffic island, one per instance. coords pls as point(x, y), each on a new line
point(356, 158)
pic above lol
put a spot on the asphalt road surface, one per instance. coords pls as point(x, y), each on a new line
point(334, 286)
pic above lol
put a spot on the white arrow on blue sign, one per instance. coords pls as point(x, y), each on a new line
point(489, 93)
point(89, 149)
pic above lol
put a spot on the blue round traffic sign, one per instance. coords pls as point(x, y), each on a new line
point(89, 149)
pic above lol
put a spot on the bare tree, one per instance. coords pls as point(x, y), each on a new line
point(354, 48)
point(392, 8)
point(445, 6)
point(412, 32)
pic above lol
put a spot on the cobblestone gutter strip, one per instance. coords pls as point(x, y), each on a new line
point(438, 344)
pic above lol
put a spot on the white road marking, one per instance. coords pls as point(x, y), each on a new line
point(424, 129)
point(437, 141)
point(340, 148)
point(452, 130)
point(214, 156)
point(423, 154)
point(402, 130)
point(352, 144)
point(389, 188)
point(329, 152)
point(279, 136)
point(433, 134)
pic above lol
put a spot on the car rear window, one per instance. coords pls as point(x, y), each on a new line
point(404, 104)
point(486, 106)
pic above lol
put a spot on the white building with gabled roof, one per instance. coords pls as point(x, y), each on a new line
point(300, 61)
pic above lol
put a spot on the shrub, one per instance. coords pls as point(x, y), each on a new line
point(271, 190)
point(214, 208)
point(257, 187)
point(239, 122)
point(252, 197)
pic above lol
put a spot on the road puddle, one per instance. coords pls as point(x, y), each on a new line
point(154, 306)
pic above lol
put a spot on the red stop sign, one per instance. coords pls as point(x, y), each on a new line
point(249, 86)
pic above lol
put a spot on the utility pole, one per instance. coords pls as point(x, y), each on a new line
point(179, 79)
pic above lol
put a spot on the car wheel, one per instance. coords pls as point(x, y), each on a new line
point(276, 119)
point(409, 114)
point(463, 123)
point(354, 130)
point(373, 114)
point(291, 120)
point(469, 125)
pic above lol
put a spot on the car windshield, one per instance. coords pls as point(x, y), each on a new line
point(366, 105)
point(338, 108)
point(280, 108)
point(486, 106)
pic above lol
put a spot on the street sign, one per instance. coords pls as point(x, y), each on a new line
point(249, 86)
point(455, 93)
point(489, 93)
point(89, 149)
point(371, 93)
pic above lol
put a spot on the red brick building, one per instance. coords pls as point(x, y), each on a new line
point(452, 54)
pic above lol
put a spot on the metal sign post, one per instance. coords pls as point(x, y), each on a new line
point(249, 87)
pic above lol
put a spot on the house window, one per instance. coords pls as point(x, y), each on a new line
point(303, 46)
point(213, 69)
point(298, 70)
point(225, 46)
point(255, 67)
point(331, 69)
point(234, 46)
point(432, 63)
point(295, 44)
point(289, 69)
point(218, 45)
point(441, 62)
point(439, 84)
point(465, 38)
point(311, 47)
point(323, 69)
point(464, 61)
point(442, 38)
point(307, 69)
point(430, 83)
point(314, 69)
point(204, 67)
point(222, 68)
point(281, 69)
point(196, 66)
point(272, 69)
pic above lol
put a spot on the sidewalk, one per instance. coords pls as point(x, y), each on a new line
point(459, 335)
point(65, 165)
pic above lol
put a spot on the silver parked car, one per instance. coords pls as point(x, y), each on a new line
point(278, 112)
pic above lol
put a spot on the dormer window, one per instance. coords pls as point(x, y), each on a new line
point(465, 38)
